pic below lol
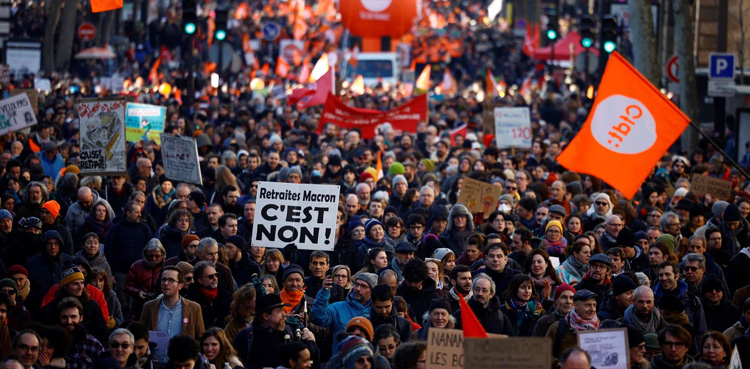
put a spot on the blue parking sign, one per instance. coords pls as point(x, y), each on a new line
point(721, 65)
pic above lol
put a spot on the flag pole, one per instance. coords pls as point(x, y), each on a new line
point(723, 153)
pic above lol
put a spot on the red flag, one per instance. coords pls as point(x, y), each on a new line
point(304, 72)
point(471, 326)
point(315, 93)
point(462, 130)
point(282, 67)
point(630, 126)
point(153, 74)
point(98, 6)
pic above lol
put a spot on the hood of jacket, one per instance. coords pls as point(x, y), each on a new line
point(460, 209)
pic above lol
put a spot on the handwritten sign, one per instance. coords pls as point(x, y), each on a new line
point(16, 113)
point(31, 93)
point(144, 120)
point(180, 157)
point(445, 348)
point(102, 131)
point(479, 197)
point(511, 353)
point(718, 188)
point(608, 347)
point(513, 127)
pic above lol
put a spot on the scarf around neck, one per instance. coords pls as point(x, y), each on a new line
point(210, 294)
point(576, 268)
point(653, 323)
point(293, 297)
point(580, 324)
point(556, 248)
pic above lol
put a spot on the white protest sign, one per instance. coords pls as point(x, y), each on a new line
point(180, 158)
point(513, 127)
point(299, 214)
point(102, 125)
point(608, 347)
point(43, 84)
point(736, 362)
point(16, 113)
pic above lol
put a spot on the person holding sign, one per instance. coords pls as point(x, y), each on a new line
point(581, 318)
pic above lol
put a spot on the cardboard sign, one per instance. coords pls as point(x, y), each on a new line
point(479, 197)
point(300, 214)
point(144, 120)
point(179, 155)
point(102, 131)
point(608, 347)
point(511, 353)
point(445, 348)
point(513, 127)
point(718, 188)
point(31, 93)
point(16, 113)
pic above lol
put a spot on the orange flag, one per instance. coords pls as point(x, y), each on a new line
point(423, 82)
point(449, 85)
point(98, 6)
point(379, 167)
point(469, 322)
point(282, 67)
point(630, 126)
point(358, 86)
point(153, 74)
point(491, 85)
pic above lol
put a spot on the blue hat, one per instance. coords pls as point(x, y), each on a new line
point(601, 258)
point(371, 223)
point(5, 214)
point(353, 348)
point(354, 222)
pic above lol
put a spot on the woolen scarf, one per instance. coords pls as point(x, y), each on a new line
point(210, 294)
point(653, 323)
point(580, 324)
point(293, 297)
point(576, 268)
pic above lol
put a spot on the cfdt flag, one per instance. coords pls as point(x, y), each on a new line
point(630, 126)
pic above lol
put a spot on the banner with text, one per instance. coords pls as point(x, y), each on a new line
point(513, 127)
point(405, 118)
point(479, 197)
point(144, 120)
point(16, 113)
point(445, 348)
point(717, 188)
point(179, 155)
point(102, 132)
point(299, 214)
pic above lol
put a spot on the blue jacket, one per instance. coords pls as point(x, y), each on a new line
point(337, 314)
point(693, 306)
point(51, 167)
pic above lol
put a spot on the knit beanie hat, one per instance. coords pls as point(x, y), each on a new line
point(371, 223)
point(291, 269)
point(186, 239)
point(5, 214)
point(562, 288)
point(353, 348)
point(553, 223)
point(732, 213)
point(362, 323)
point(354, 222)
point(397, 179)
point(635, 337)
point(640, 235)
point(625, 238)
point(53, 207)
point(622, 284)
point(236, 240)
point(71, 274)
point(369, 278)
point(7, 282)
point(440, 303)
point(719, 208)
point(395, 169)
point(668, 240)
point(296, 169)
point(365, 176)
point(429, 164)
point(16, 269)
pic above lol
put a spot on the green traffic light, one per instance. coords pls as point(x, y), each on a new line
point(190, 28)
point(609, 46)
point(221, 35)
point(551, 34)
point(587, 42)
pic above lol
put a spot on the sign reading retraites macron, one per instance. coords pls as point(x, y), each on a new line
point(299, 214)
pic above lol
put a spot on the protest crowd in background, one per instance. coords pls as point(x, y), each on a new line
point(141, 270)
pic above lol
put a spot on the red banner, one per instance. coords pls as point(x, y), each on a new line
point(405, 118)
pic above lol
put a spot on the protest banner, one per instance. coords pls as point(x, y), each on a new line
point(179, 154)
point(299, 214)
point(31, 93)
point(608, 347)
point(512, 353)
point(718, 188)
point(445, 348)
point(16, 113)
point(43, 84)
point(479, 197)
point(513, 127)
point(405, 118)
point(102, 132)
point(144, 120)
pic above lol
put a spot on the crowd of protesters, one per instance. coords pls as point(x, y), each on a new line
point(93, 266)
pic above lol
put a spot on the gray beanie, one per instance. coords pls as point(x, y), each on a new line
point(295, 169)
point(283, 174)
point(370, 278)
point(399, 178)
point(719, 208)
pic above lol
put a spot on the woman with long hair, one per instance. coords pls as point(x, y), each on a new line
point(522, 305)
point(342, 276)
point(224, 177)
point(241, 310)
point(274, 264)
point(101, 280)
point(269, 283)
point(157, 203)
point(218, 350)
point(97, 221)
point(435, 271)
point(575, 267)
point(376, 260)
point(54, 346)
point(541, 271)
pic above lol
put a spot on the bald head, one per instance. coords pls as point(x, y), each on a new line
point(575, 358)
point(643, 292)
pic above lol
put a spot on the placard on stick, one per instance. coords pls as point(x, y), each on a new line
point(180, 157)
point(718, 188)
point(511, 353)
point(608, 347)
point(102, 132)
point(479, 197)
point(445, 348)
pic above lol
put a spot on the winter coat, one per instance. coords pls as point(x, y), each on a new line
point(171, 239)
point(77, 214)
point(693, 306)
point(67, 246)
point(141, 278)
point(118, 201)
point(491, 317)
point(98, 261)
point(44, 272)
point(337, 314)
point(402, 325)
point(115, 308)
point(418, 300)
point(126, 242)
point(214, 312)
point(243, 270)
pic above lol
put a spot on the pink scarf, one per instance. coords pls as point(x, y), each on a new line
point(580, 324)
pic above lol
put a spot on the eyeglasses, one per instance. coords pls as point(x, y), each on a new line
point(169, 281)
point(339, 276)
point(601, 203)
point(212, 276)
point(387, 348)
point(691, 268)
point(115, 345)
point(189, 279)
point(509, 188)
point(677, 345)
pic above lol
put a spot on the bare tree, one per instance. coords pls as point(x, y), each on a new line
point(53, 16)
point(683, 41)
point(645, 57)
point(67, 31)
point(739, 42)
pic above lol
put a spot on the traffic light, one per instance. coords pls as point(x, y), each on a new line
point(552, 26)
point(220, 23)
point(587, 31)
point(189, 17)
point(609, 34)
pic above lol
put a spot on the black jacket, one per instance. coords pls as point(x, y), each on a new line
point(418, 300)
point(492, 318)
point(125, 243)
point(213, 313)
point(502, 280)
point(402, 325)
point(243, 270)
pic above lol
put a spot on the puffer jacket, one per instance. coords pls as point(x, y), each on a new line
point(337, 314)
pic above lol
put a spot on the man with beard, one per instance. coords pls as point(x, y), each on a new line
point(383, 312)
point(675, 343)
point(117, 193)
point(563, 303)
point(85, 348)
point(46, 268)
point(72, 285)
point(596, 279)
point(582, 317)
point(486, 307)
point(461, 282)
point(417, 289)
point(621, 298)
point(8, 233)
point(642, 314)
point(206, 292)
point(267, 333)
point(34, 195)
point(363, 195)
point(338, 314)
point(670, 284)
point(49, 217)
point(239, 261)
point(78, 211)
point(245, 223)
point(229, 196)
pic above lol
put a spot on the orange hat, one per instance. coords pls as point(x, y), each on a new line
point(53, 207)
point(72, 168)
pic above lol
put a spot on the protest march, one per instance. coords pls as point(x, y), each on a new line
point(374, 184)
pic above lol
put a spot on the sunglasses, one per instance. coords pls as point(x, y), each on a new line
point(116, 345)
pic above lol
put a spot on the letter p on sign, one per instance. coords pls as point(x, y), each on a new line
point(721, 66)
